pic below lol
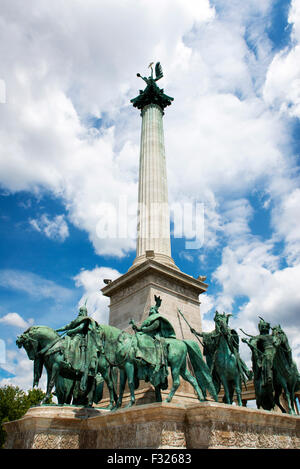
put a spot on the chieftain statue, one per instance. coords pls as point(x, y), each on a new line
point(151, 345)
point(74, 362)
point(273, 367)
point(221, 348)
point(81, 345)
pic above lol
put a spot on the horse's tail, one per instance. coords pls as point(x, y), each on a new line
point(201, 370)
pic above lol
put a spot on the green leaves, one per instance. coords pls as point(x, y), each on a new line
point(14, 403)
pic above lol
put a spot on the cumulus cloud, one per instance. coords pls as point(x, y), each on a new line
point(92, 281)
point(14, 319)
point(252, 281)
point(60, 80)
point(18, 364)
point(286, 224)
point(56, 229)
point(33, 284)
point(282, 86)
point(57, 85)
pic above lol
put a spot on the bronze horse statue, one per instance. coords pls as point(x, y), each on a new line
point(47, 348)
point(285, 373)
point(221, 348)
point(120, 351)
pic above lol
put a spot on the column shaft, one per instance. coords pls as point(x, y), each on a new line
point(153, 209)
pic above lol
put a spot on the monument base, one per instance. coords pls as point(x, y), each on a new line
point(206, 425)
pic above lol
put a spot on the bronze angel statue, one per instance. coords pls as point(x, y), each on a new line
point(152, 94)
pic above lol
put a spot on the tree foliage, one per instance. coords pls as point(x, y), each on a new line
point(14, 403)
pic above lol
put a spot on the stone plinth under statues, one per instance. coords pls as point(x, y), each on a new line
point(206, 425)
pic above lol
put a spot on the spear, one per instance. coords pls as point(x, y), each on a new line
point(190, 326)
point(246, 333)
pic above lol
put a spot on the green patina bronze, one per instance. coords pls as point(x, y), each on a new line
point(152, 94)
point(273, 367)
point(221, 348)
point(74, 363)
point(87, 354)
point(149, 353)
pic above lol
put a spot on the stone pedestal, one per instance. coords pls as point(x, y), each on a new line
point(206, 425)
point(132, 294)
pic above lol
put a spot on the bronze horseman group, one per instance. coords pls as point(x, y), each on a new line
point(87, 354)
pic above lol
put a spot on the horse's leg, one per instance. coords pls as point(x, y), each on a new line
point(69, 393)
point(288, 398)
point(129, 370)
point(175, 371)
point(230, 387)
point(54, 370)
point(46, 397)
point(226, 397)
point(278, 391)
point(105, 372)
point(114, 381)
point(63, 390)
point(90, 385)
point(292, 396)
point(123, 379)
point(293, 399)
point(158, 397)
point(188, 377)
point(238, 390)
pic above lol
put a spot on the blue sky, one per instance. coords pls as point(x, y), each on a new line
point(70, 148)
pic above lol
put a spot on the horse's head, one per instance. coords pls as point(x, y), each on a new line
point(35, 338)
point(279, 334)
point(277, 330)
point(221, 321)
point(29, 343)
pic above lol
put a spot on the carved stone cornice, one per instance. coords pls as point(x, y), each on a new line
point(165, 276)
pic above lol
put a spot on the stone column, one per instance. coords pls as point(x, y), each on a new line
point(153, 231)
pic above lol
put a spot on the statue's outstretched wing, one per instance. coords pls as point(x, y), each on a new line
point(158, 71)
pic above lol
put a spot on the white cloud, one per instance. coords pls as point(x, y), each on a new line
point(14, 319)
point(92, 281)
point(64, 75)
point(282, 86)
point(18, 364)
point(251, 275)
point(286, 224)
point(57, 84)
point(33, 284)
point(56, 229)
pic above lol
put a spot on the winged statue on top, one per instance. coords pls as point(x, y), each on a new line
point(152, 94)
